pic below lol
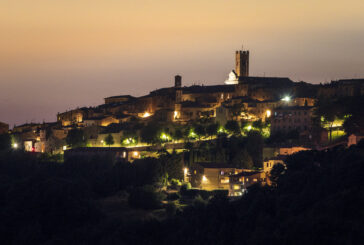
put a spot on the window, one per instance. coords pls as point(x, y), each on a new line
point(224, 181)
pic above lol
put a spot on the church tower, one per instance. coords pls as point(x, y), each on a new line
point(242, 63)
point(177, 105)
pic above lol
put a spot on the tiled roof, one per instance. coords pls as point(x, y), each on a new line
point(208, 89)
point(267, 80)
point(246, 173)
point(121, 96)
point(214, 165)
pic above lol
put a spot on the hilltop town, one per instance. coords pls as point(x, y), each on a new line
point(275, 116)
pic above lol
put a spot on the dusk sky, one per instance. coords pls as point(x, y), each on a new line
point(57, 55)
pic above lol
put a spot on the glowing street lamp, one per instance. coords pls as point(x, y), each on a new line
point(185, 171)
point(146, 114)
point(135, 154)
point(164, 137)
point(286, 98)
point(268, 113)
point(15, 145)
point(204, 179)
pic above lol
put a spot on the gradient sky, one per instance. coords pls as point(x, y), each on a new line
point(57, 55)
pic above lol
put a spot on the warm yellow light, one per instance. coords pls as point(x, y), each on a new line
point(64, 147)
point(185, 170)
point(15, 145)
point(135, 154)
point(146, 114)
point(204, 179)
point(249, 127)
point(237, 187)
point(164, 136)
point(268, 113)
point(175, 114)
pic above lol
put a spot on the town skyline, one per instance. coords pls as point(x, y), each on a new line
point(67, 55)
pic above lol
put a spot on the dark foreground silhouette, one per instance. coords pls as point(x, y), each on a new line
point(317, 199)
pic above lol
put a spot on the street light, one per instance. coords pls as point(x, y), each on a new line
point(286, 98)
point(15, 145)
point(269, 113)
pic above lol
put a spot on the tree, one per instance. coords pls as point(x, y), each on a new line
point(150, 133)
point(129, 137)
point(275, 173)
point(354, 124)
point(211, 129)
point(258, 124)
point(243, 160)
point(200, 130)
point(172, 164)
point(145, 197)
point(325, 113)
point(76, 138)
point(5, 142)
point(54, 144)
point(109, 140)
point(233, 127)
point(178, 134)
point(254, 147)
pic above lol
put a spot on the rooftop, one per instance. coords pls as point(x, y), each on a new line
point(121, 96)
point(246, 173)
point(208, 89)
point(267, 80)
point(214, 165)
point(97, 149)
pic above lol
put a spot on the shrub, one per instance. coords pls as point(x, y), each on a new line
point(171, 209)
point(173, 196)
point(192, 193)
point(145, 197)
point(175, 183)
point(220, 193)
point(185, 187)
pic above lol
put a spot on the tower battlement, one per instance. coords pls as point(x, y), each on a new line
point(242, 63)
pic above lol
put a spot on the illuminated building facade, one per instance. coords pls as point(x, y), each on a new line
point(290, 118)
point(238, 183)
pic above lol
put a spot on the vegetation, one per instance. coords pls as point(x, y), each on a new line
point(145, 197)
point(76, 138)
point(109, 140)
point(343, 113)
point(5, 142)
point(316, 199)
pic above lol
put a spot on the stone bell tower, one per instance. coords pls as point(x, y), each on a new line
point(242, 63)
point(178, 90)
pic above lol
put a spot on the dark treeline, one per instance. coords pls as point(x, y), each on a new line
point(317, 199)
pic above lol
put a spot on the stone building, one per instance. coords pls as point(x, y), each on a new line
point(211, 176)
point(341, 88)
point(289, 118)
point(240, 182)
point(4, 128)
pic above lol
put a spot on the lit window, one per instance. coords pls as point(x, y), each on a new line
point(237, 187)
